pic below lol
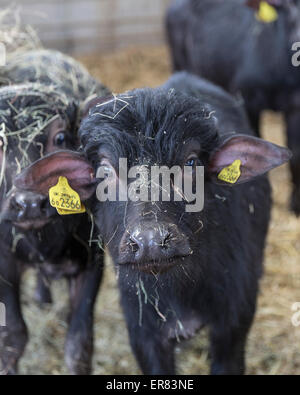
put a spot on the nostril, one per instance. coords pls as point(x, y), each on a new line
point(166, 241)
point(18, 204)
point(133, 245)
point(19, 207)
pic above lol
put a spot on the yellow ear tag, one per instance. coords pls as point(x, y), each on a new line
point(65, 199)
point(231, 173)
point(266, 13)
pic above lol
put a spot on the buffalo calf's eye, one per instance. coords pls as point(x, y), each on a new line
point(60, 139)
point(192, 162)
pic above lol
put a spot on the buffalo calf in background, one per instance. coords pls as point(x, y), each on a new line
point(36, 120)
point(59, 72)
point(177, 271)
point(227, 43)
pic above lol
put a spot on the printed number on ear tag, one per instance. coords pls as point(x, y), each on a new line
point(65, 199)
point(266, 13)
point(231, 173)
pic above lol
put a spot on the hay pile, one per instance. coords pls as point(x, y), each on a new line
point(273, 344)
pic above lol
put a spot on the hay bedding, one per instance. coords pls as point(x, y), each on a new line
point(274, 343)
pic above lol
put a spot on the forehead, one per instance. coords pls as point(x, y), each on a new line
point(159, 125)
point(148, 150)
point(57, 123)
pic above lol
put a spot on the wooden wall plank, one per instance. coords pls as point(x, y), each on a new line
point(77, 26)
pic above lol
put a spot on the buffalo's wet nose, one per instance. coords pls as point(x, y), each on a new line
point(29, 205)
point(153, 242)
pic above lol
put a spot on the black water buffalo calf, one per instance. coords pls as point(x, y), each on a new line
point(60, 72)
point(224, 42)
point(36, 120)
point(178, 271)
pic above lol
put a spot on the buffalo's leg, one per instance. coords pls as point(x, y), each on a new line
point(13, 336)
point(79, 343)
point(154, 354)
point(228, 347)
point(293, 135)
point(153, 351)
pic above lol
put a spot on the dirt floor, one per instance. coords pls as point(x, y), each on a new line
point(274, 343)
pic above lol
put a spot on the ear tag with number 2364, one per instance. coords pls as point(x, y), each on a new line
point(65, 199)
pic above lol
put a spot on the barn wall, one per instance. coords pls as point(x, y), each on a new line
point(78, 26)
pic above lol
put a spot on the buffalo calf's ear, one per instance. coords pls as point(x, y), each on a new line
point(44, 174)
point(242, 158)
